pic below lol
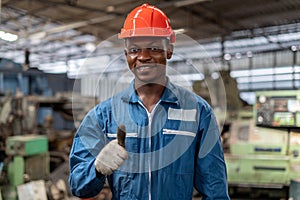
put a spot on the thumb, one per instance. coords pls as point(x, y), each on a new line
point(121, 135)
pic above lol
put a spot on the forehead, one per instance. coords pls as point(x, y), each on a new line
point(145, 41)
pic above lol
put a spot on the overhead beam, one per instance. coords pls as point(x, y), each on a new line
point(188, 2)
point(70, 26)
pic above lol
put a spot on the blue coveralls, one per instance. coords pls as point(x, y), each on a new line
point(172, 150)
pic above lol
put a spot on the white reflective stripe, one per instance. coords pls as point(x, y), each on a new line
point(114, 135)
point(182, 115)
point(177, 132)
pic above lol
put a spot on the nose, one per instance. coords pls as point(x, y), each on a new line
point(144, 54)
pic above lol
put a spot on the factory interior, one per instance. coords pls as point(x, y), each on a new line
point(60, 58)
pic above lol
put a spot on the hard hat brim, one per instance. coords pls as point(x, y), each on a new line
point(147, 32)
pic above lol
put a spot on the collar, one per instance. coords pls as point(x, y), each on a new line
point(169, 95)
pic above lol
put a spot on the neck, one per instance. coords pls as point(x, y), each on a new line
point(150, 93)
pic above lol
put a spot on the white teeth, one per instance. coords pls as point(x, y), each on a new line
point(143, 68)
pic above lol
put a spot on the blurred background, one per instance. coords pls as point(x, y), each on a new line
point(58, 58)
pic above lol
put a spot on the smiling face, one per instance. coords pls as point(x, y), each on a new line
point(147, 58)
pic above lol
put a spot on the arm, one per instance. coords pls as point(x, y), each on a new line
point(84, 180)
point(210, 169)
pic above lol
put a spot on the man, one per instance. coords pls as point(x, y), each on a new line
point(172, 140)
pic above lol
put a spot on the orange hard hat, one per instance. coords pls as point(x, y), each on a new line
point(149, 21)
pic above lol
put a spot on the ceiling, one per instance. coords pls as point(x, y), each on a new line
point(62, 30)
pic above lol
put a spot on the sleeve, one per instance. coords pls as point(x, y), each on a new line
point(210, 172)
point(89, 139)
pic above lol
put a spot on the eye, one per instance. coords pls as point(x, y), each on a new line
point(133, 50)
point(155, 49)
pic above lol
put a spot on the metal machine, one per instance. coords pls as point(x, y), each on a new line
point(264, 149)
point(36, 152)
point(28, 160)
point(33, 151)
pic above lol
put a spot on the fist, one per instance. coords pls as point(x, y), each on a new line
point(110, 158)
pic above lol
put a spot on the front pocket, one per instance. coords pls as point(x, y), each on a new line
point(179, 138)
point(131, 141)
point(178, 132)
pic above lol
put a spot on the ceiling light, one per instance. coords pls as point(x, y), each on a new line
point(249, 54)
point(8, 36)
point(215, 75)
point(293, 48)
point(90, 46)
point(238, 55)
point(110, 9)
point(227, 56)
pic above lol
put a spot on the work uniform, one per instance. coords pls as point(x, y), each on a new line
point(171, 150)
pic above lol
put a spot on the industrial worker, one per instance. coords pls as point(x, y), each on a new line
point(172, 140)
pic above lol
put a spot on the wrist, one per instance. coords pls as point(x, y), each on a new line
point(99, 175)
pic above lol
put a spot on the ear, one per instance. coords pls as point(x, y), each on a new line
point(170, 51)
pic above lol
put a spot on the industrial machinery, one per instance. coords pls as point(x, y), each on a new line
point(261, 142)
point(28, 160)
point(264, 147)
point(33, 149)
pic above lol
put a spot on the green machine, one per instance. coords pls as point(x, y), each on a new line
point(265, 149)
point(29, 160)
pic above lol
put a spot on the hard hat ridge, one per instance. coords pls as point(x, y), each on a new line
point(147, 21)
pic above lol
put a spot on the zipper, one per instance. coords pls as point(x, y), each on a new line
point(150, 114)
point(149, 161)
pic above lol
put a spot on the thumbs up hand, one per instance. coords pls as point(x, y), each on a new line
point(113, 155)
point(121, 135)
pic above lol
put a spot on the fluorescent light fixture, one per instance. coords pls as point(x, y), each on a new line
point(188, 77)
point(38, 35)
point(266, 75)
point(8, 36)
point(264, 71)
point(180, 31)
point(54, 68)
